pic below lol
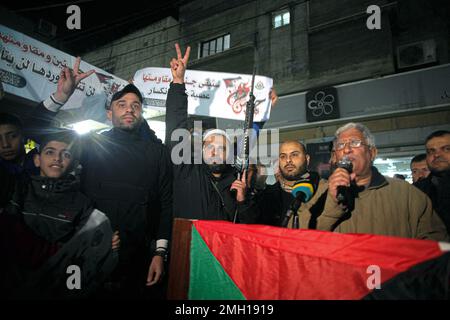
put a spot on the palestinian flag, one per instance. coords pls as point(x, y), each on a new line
point(103, 78)
point(231, 261)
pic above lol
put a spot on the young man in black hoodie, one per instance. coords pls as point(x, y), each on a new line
point(437, 184)
point(14, 131)
point(44, 213)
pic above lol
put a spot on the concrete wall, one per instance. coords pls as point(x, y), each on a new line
point(28, 27)
point(152, 46)
point(326, 43)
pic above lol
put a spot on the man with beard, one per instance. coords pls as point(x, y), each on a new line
point(275, 200)
point(127, 175)
point(203, 190)
point(437, 184)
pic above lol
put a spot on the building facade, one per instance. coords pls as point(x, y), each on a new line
point(329, 67)
point(149, 47)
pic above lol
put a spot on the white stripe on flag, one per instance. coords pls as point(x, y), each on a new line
point(445, 246)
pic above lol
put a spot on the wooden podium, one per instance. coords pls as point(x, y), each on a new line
point(180, 260)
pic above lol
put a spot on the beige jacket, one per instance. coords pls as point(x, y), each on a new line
point(387, 207)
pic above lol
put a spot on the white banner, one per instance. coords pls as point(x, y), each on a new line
point(213, 94)
point(30, 69)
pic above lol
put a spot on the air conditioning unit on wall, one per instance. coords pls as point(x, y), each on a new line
point(46, 28)
point(416, 54)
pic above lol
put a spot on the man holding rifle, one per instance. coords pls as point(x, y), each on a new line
point(203, 191)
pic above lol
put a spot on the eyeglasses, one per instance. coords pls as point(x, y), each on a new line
point(354, 143)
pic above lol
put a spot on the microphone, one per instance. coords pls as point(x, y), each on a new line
point(343, 195)
point(303, 190)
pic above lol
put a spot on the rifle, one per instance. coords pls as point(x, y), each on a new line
point(243, 159)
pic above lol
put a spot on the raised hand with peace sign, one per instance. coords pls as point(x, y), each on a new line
point(69, 80)
point(178, 65)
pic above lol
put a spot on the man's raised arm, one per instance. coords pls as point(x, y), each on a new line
point(44, 114)
point(176, 104)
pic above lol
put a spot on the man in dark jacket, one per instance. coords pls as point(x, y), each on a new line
point(437, 184)
point(203, 191)
point(129, 178)
point(274, 200)
point(419, 167)
point(14, 161)
point(12, 151)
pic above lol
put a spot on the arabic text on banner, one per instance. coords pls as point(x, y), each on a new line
point(214, 94)
point(30, 69)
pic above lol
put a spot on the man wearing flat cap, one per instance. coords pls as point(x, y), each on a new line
point(128, 176)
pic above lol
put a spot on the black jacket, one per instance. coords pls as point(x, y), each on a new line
point(437, 187)
point(33, 124)
point(37, 243)
point(128, 176)
point(273, 203)
point(129, 179)
point(196, 193)
point(8, 180)
point(54, 209)
point(41, 216)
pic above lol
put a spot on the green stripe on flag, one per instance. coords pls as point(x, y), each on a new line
point(208, 280)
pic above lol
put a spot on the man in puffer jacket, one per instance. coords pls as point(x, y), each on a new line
point(44, 214)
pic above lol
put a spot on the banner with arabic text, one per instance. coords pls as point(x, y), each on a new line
point(30, 69)
point(213, 94)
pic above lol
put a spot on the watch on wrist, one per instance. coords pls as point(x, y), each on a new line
point(161, 253)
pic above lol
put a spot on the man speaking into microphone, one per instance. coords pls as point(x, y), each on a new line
point(361, 200)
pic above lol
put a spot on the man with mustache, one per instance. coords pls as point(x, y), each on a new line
point(274, 200)
point(382, 205)
point(293, 161)
point(203, 190)
point(437, 184)
point(128, 176)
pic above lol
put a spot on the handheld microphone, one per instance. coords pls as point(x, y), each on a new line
point(303, 190)
point(343, 195)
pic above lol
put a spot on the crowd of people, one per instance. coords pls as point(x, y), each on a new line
point(48, 195)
